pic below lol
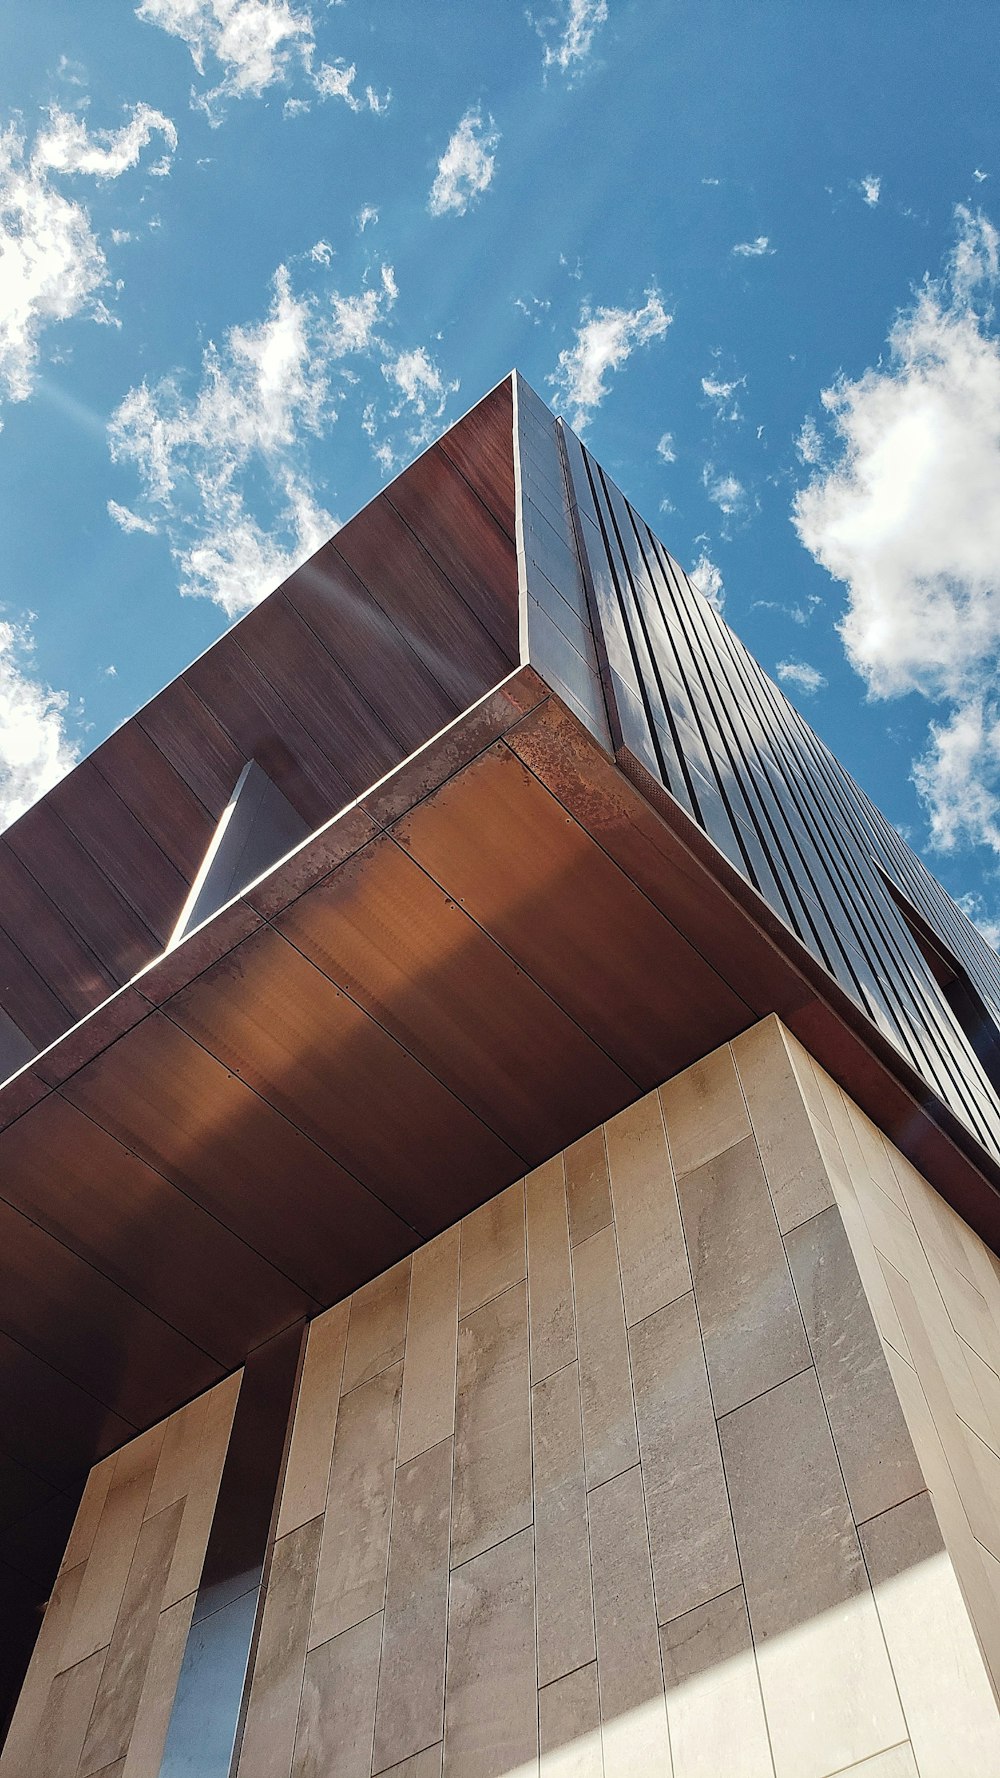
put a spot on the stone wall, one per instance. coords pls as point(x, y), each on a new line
point(612, 1477)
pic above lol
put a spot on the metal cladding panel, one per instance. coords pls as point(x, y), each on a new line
point(693, 707)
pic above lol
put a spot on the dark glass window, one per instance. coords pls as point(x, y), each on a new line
point(963, 998)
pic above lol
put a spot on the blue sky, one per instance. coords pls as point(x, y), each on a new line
point(254, 254)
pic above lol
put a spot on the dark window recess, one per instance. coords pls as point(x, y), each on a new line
point(15, 1049)
point(258, 827)
point(964, 999)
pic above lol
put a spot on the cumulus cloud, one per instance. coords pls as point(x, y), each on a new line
point(800, 674)
point(35, 751)
point(256, 44)
point(708, 579)
point(907, 517)
point(575, 30)
point(605, 340)
point(871, 189)
point(67, 146)
point(224, 472)
point(466, 167)
point(753, 249)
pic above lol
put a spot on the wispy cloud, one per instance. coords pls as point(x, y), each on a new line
point(466, 167)
point(225, 472)
point(35, 751)
point(871, 189)
point(665, 448)
point(809, 444)
point(52, 264)
point(722, 395)
point(805, 678)
point(67, 146)
point(569, 38)
point(907, 517)
point(256, 45)
point(708, 579)
point(605, 340)
point(757, 249)
point(726, 491)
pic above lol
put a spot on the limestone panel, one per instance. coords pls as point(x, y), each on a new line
point(492, 1481)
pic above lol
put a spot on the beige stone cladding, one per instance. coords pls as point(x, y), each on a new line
point(99, 1688)
point(678, 1457)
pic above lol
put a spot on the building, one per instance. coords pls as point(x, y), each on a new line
point(499, 1156)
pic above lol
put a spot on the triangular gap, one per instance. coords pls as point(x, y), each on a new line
point(257, 827)
point(15, 1048)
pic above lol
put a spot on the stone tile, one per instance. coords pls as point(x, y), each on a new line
point(810, 1078)
point(493, 1249)
point(796, 1174)
point(426, 1764)
point(20, 1747)
point(103, 1582)
point(651, 1251)
point(427, 1414)
point(491, 1725)
point(588, 1188)
point(149, 1732)
point(610, 1442)
point(950, 1708)
point(633, 1710)
point(551, 1320)
point(56, 1752)
point(350, 1584)
point(704, 1110)
point(279, 1666)
point(869, 1430)
point(987, 1467)
point(946, 1381)
point(563, 1596)
point(870, 1267)
point(935, 1221)
point(89, 1513)
point(307, 1473)
point(690, 1528)
point(376, 1332)
point(117, 1702)
point(714, 1708)
point(192, 1467)
point(410, 1711)
point(492, 1479)
point(988, 1388)
point(749, 1316)
point(569, 1726)
point(875, 1151)
point(828, 1690)
point(967, 1310)
point(895, 1762)
point(337, 1717)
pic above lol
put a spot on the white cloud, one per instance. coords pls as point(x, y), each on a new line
point(466, 167)
point(67, 146)
point(321, 252)
point(665, 449)
point(51, 263)
point(130, 521)
point(978, 175)
point(908, 518)
point(35, 751)
point(264, 389)
point(577, 28)
point(708, 579)
point(800, 674)
point(727, 491)
point(809, 444)
point(367, 214)
point(753, 249)
point(871, 189)
point(257, 44)
point(224, 472)
point(605, 339)
point(722, 396)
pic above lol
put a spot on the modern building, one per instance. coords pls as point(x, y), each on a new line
point(499, 1167)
